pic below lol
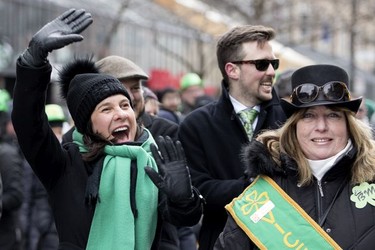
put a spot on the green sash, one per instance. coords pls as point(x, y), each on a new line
point(272, 220)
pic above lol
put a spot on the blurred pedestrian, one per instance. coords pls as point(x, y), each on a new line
point(103, 186)
point(151, 101)
point(362, 113)
point(6, 99)
point(313, 178)
point(170, 104)
point(213, 135)
point(12, 188)
point(282, 84)
point(56, 119)
point(203, 100)
point(39, 227)
point(191, 87)
point(1, 196)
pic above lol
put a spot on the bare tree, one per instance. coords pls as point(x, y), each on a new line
point(113, 28)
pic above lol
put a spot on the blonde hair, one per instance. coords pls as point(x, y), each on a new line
point(283, 140)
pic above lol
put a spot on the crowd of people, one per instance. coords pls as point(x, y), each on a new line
point(277, 161)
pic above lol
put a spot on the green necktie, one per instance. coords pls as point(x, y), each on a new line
point(248, 116)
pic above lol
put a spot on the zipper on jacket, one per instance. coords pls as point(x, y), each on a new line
point(319, 196)
point(320, 189)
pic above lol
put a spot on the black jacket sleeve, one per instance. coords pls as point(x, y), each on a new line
point(181, 216)
point(37, 141)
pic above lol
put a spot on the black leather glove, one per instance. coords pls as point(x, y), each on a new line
point(56, 34)
point(174, 177)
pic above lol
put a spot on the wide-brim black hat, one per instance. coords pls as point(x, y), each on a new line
point(320, 75)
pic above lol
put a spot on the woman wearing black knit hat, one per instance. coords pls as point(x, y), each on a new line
point(110, 188)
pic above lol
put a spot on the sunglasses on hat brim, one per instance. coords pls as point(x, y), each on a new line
point(261, 64)
point(332, 91)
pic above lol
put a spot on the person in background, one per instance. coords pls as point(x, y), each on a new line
point(317, 170)
point(151, 101)
point(213, 135)
point(39, 226)
point(130, 75)
point(170, 104)
point(1, 196)
point(12, 184)
point(6, 105)
point(362, 113)
point(56, 119)
point(191, 87)
point(4, 98)
point(370, 105)
point(282, 84)
point(103, 186)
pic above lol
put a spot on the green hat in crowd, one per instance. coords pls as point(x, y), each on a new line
point(190, 79)
point(55, 113)
point(4, 100)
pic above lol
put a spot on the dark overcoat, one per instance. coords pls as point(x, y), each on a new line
point(212, 137)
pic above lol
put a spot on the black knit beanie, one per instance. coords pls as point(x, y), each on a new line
point(86, 91)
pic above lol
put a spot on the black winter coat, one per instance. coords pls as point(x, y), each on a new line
point(36, 215)
point(212, 137)
point(11, 177)
point(330, 206)
point(1, 196)
point(62, 170)
point(159, 126)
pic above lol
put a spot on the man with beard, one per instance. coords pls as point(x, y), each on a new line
point(213, 135)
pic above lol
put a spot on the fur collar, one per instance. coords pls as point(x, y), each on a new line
point(258, 161)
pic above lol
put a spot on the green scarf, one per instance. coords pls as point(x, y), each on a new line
point(114, 226)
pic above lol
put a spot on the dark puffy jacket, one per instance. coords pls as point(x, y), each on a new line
point(11, 176)
point(349, 226)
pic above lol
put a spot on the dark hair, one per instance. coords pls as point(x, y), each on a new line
point(161, 93)
point(229, 46)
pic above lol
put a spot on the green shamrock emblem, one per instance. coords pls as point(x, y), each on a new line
point(363, 194)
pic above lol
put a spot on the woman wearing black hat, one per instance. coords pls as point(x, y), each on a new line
point(104, 186)
point(312, 180)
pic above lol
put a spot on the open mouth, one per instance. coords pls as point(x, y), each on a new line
point(120, 135)
point(266, 84)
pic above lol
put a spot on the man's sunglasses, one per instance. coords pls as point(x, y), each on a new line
point(333, 91)
point(261, 64)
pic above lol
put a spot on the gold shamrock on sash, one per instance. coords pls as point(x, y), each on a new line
point(256, 201)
